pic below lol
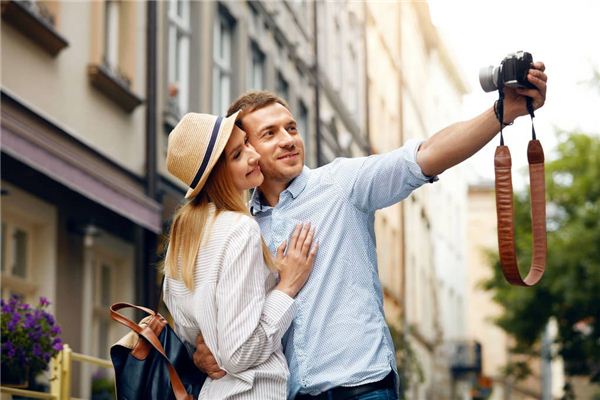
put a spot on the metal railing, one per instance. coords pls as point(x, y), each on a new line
point(61, 371)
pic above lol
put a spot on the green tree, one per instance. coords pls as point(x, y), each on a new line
point(570, 288)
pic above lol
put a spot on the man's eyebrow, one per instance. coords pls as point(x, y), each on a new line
point(265, 128)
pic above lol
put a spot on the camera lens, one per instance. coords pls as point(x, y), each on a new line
point(488, 78)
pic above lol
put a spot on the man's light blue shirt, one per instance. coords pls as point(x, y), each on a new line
point(339, 336)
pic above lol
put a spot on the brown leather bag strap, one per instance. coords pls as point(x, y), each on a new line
point(505, 213)
point(148, 334)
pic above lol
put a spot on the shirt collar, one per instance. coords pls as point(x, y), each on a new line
point(295, 188)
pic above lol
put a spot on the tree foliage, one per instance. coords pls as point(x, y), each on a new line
point(570, 288)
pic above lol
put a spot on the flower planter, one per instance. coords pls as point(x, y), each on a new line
point(15, 378)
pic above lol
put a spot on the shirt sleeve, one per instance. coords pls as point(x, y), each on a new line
point(250, 322)
point(380, 180)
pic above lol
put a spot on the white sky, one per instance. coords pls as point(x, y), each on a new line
point(565, 35)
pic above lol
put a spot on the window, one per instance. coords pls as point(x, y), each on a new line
point(222, 62)
point(113, 65)
point(282, 88)
point(179, 57)
point(337, 62)
point(17, 274)
point(352, 84)
point(111, 33)
point(103, 298)
point(257, 67)
point(303, 123)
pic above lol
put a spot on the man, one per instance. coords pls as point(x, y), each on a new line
point(339, 345)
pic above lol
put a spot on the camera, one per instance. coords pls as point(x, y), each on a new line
point(512, 72)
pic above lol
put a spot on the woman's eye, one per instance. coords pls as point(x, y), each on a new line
point(237, 155)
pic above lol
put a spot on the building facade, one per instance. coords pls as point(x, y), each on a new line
point(547, 373)
point(90, 92)
point(79, 222)
point(88, 104)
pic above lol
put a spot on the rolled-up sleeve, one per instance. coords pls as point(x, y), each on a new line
point(380, 180)
point(250, 322)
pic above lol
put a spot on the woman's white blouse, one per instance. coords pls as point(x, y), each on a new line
point(241, 319)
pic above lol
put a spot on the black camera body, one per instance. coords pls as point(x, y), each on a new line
point(512, 72)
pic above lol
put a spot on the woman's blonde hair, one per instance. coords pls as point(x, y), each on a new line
point(190, 224)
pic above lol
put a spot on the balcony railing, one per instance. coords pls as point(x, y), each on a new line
point(61, 371)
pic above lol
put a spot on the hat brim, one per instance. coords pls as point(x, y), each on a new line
point(222, 139)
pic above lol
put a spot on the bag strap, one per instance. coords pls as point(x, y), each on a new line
point(148, 334)
point(505, 211)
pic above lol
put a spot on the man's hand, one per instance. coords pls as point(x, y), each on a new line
point(514, 99)
point(205, 361)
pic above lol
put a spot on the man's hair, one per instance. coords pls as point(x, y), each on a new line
point(254, 100)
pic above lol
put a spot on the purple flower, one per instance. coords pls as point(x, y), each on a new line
point(29, 321)
point(12, 324)
point(57, 344)
point(44, 301)
point(49, 318)
point(37, 350)
point(35, 335)
point(29, 334)
point(9, 348)
point(14, 299)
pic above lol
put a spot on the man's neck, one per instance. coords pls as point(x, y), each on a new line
point(270, 191)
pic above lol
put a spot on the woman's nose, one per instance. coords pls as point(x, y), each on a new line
point(254, 157)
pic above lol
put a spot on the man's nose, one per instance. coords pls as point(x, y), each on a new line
point(287, 140)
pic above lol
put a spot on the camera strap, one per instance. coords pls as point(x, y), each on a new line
point(504, 205)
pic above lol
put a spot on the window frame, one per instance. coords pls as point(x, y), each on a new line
point(12, 283)
point(222, 67)
point(179, 39)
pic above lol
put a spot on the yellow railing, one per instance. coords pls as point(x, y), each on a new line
point(61, 369)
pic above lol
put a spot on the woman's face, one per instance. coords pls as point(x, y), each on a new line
point(241, 161)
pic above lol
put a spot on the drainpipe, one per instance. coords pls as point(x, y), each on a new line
point(151, 99)
point(146, 241)
point(366, 66)
point(317, 85)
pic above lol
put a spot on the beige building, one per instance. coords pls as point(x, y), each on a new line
point(90, 92)
point(434, 215)
point(482, 239)
point(414, 90)
point(79, 221)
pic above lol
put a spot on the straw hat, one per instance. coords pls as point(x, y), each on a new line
point(195, 145)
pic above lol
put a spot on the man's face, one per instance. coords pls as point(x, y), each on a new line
point(272, 132)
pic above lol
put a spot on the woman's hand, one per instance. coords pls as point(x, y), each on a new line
point(296, 264)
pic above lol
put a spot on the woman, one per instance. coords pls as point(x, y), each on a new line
point(220, 278)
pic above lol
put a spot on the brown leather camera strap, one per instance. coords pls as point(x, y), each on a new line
point(505, 210)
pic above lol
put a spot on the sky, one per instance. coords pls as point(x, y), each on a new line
point(563, 34)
